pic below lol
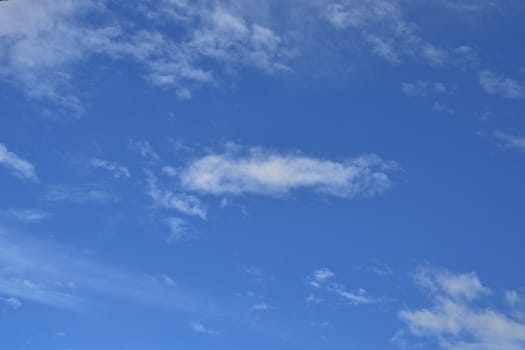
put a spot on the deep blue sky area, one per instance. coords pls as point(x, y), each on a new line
point(262, 175)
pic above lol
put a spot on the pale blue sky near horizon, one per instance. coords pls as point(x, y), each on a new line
point(244, 174)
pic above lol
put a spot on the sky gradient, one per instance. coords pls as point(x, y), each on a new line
point(256, 175)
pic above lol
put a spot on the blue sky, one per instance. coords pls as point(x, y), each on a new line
point(259, 175)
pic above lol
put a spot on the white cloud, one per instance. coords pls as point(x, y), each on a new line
point(383, 26)
point(185, 203)
point(37, 292)
point(227, 37)
point(43, 41)
point(360, 13)
point(268, 173)
point(212, 40)
point(496, 84)
point(354, 298)
point(118, 171)
point(321, 276)
point(516, 302)
point(457, 319)
point(16, 165)
point(323, 279)
point(200, 328)
point(183, 45)
point(458, 286)
point(506, 140)
point(221, 36)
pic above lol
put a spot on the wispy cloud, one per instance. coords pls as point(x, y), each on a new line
point(324, 280)
point(256, 171)
point(506, 140)
point(40, 42)
point(213, 40)
point(376, 267)
point(39, 56)
point(457, 319)
point(383, 26)
point(145, 149)
point(217, 34)
point(79, 194)
point(496, 84)
point(440, 107)
point(465, 286)
point(118, 171)
point(17, 165)
point(179, 230)
point(25, 215)
point(321, 276)
point(183, 202)
point(53, 275)
point(516, 302)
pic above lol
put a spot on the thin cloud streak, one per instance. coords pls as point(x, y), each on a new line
point(44, 273)
point(17, 165)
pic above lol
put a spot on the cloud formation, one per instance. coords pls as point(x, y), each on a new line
point(183, 45)
point(496, 84)
point(458, 319)
point(17, 165)
point(40, 42)
point(506, 140)
point(118, 171)
point(382, 25)
point(43, 41)
point(269, 173)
